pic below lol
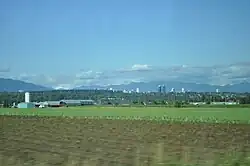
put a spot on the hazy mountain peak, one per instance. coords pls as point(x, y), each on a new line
point(11, 85)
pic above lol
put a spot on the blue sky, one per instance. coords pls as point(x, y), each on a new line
point(59, 40)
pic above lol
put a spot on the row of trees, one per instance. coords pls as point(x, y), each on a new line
point(109, 97)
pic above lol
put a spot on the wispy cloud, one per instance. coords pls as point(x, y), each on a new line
point(136, 68)
point(217, 74)
point(4, 70)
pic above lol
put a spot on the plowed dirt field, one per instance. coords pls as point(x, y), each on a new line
point(45, 141)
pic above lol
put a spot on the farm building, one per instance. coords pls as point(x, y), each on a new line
point(78, 102)
point(49, 104)
point(88, 102)
point(26, 105)
point(37, 104)
point(72, 102)
point(224, 103)
point(62, 103)
point(54, 104)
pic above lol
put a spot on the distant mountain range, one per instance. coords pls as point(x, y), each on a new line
point(10, 85)
point(152, 86)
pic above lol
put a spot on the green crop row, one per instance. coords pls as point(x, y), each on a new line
point(162, 119)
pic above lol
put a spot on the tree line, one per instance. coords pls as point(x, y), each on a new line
point(117, 97)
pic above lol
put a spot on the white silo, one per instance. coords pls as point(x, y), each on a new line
point(27, 97)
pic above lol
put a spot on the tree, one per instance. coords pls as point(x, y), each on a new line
point(135, 102)
point(208, 102)
point(155, 102)
point(178, 104)
point(203, 98)
point(243, 100)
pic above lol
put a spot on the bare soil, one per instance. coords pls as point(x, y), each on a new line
point(58, 141)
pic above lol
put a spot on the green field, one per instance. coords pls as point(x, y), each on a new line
point(200, 114)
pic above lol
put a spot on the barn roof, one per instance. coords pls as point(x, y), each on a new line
point(52, 102)
point(76, 101)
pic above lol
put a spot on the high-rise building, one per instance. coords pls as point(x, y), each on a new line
point(137, 90)
point(217, 90)
point(182, 90)
point(163, 89)
point(172, 90)
point(159, 88)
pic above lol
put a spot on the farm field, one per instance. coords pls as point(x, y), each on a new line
point(240, 115)
point(47, 139)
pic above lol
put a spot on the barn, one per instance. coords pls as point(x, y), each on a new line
point(54, 103)
point(62, 103)
point(26, 105)
point(78, 102)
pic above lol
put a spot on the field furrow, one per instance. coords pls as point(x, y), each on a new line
point(69, 141)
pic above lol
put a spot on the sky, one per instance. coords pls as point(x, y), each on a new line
point(83, 42)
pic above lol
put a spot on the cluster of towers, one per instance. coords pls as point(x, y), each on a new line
point(161, 88)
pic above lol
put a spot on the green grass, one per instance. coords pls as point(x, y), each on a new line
point(236, 115)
